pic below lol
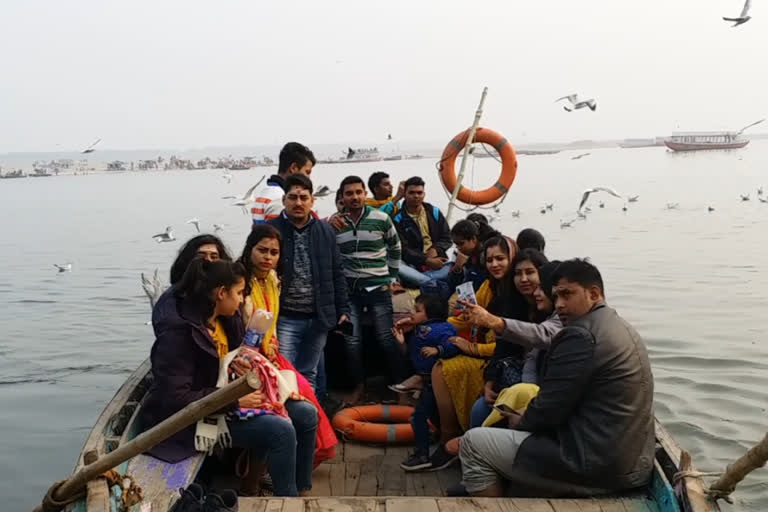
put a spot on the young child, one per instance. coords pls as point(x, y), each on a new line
point(427, 342)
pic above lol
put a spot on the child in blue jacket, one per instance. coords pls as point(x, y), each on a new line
point(427, 343)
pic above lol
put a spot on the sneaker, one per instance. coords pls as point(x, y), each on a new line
point(441, 459)
point(416, 463)
point(225, 501)
point(191, 499)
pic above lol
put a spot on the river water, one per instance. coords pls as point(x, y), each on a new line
point(691, 281)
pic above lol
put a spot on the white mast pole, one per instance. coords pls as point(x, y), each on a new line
point(464, 156)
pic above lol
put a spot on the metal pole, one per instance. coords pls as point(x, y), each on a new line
point(464, 156)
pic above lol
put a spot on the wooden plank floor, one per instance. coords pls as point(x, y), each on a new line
point(369, 479)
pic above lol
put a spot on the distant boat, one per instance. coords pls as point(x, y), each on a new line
point(13, 174)
point(40, 173)
point(698, 141)
point(360, 155)
point(642, 143)
point(393, 158)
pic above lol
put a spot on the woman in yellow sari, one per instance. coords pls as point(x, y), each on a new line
point(457, 382)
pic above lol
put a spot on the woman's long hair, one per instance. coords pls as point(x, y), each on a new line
point(201, 279)
point(257, 234)
point(188, 252)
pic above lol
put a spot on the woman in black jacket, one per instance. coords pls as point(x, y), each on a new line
point(194, 321)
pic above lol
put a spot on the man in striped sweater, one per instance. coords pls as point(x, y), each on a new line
point(370, 257)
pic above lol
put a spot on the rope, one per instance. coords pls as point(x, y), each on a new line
point(50, 504)
point(131, 492)
point(714, 494)
point(473, 208)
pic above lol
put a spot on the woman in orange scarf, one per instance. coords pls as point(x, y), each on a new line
point(261, 256)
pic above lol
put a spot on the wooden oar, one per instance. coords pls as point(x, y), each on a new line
point(755, 458)
point(61, 492)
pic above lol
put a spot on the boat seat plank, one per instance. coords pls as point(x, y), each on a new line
point(611, 505)
point(339, 457)
point(463, 504)
point(274, 506)
point(293, 505)
point(337, 479)
point(321, 481)
point(351, 478)
point(411, 505)
point(390, 477)
point(347, 505)
point(356, 452)
point(639, 505)
point(531, 504)
point(369, 484)
point(251, 505)
point(423, 484)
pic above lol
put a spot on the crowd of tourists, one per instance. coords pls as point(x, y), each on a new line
point(530, 381)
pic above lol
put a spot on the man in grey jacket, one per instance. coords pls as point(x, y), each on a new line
point(590, 430)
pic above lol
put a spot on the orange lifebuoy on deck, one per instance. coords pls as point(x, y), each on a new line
point(508, 167)
point(376, 423)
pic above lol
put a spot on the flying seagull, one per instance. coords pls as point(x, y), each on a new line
point(164, 237)
point(218, 227)
point(577, 104)
point(323, 191)
point(91, 148)
point(579, 157)
point(67, 267)
point(589, 191)
point(248, 197)
point(549, 206)
point(743, 17)
point(152, 287)
point(196, 222)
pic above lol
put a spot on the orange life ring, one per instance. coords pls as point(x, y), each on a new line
point(392, 423)
point(508, 167)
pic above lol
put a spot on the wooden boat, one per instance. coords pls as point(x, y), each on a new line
point(360, 477)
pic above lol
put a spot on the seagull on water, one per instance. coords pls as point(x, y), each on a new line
point(763, 199)
point(576, 104)
point(565, 224)
point(760, 191)
point(633, 199)
point(579, 157)
point(67, 267)
point(164, 237)
point(672, 206)
point(743, 17)
point(744, 197)
point(218, 227)
point(592, 190)
point(549, 206)
point(624, 208)
point(196, 222)
point(582, 215)
point(91, 148)
point(227, 176)
point(543, 210)
point(515, 213)
point(710, 209)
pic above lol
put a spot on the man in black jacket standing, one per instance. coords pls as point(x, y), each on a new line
point(313, 298)
point(590, 429)
point(424, 235)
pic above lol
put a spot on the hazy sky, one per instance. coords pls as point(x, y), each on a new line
point(182, 73)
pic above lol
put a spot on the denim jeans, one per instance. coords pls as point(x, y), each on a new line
point(426, 409)
point(412, 277)
point(480, 411)
point(302, 341)
point(321, 381)
point(288, 446)
point(379, 305)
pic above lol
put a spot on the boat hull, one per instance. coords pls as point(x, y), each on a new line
point(682, 146)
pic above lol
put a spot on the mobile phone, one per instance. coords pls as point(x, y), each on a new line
point(506, 410)
point(465, 292)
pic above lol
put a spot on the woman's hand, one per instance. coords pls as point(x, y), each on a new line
point(429, 352)
point(489, 394)
point(461, 343)
point(478, 315)
point(461, 259)
point(251, 400)
point(515, 418)
point(240, 366)
point(399, 335)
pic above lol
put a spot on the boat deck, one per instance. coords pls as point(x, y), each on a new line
point(369, 478)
